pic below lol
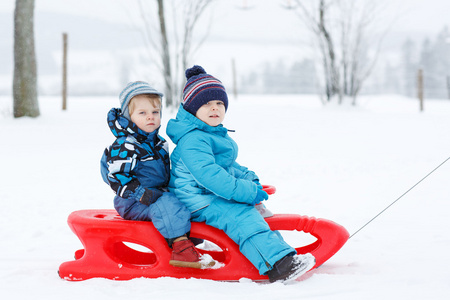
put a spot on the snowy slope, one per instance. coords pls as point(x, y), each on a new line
point(341, 163)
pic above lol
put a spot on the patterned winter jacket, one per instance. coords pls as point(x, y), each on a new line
point(137, 165)
point(204, 164)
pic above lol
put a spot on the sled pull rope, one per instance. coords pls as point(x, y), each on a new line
point(399, 197)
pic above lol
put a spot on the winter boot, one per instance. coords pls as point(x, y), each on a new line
point(184, 254)
point(262, 209)
point(290, 268)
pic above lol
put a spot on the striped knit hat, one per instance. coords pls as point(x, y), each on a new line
point(133, 89)
point(200, 89)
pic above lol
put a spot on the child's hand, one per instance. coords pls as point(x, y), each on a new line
point(260, 196)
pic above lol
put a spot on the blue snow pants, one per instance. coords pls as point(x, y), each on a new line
point(169, 216)
point(247, 228)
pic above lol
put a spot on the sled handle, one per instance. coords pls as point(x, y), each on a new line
point(330, 235)
point(269, 189)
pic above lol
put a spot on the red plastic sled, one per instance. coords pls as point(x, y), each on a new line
point(109, 252)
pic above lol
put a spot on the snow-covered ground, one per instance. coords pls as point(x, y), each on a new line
point(345, 164)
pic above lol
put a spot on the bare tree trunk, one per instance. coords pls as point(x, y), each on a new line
point(233, 72)
point(333, 71)
point(167, 73)
point(346, 29)
point(326, 71)
point(25, 75)
point(448, 86)
point(420, 88)
point(325, 42)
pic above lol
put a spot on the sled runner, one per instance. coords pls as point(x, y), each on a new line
point(120, 249)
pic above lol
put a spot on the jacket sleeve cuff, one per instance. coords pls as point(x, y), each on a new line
point(150, 196)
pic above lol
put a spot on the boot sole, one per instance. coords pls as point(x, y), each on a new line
point(301, 271)
point(189, 264)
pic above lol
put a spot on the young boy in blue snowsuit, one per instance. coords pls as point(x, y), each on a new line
point(215, 188)
point(137, 168)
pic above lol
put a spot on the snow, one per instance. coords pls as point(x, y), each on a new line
point(341, 163)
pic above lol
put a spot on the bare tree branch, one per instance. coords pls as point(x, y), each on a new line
point(174, 49)
point(347, 63)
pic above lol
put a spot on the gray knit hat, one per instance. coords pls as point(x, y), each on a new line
point(133, 89)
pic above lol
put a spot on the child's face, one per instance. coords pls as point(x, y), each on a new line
point(212, 113)
point(145, 115)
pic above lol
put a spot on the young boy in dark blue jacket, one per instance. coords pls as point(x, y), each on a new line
point(137, 167)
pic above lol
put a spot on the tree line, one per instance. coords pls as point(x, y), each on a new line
point(345, 34)
point(433, 58)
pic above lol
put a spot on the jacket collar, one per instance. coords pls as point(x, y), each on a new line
point(121, 126)
point(185, 122)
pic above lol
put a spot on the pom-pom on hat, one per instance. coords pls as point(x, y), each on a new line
point(133, 89)
point(200, 89)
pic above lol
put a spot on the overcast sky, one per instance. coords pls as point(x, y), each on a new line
point(418, 15)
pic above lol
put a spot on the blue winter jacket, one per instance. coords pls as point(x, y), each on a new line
point(204, 164)
point(137, 164)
